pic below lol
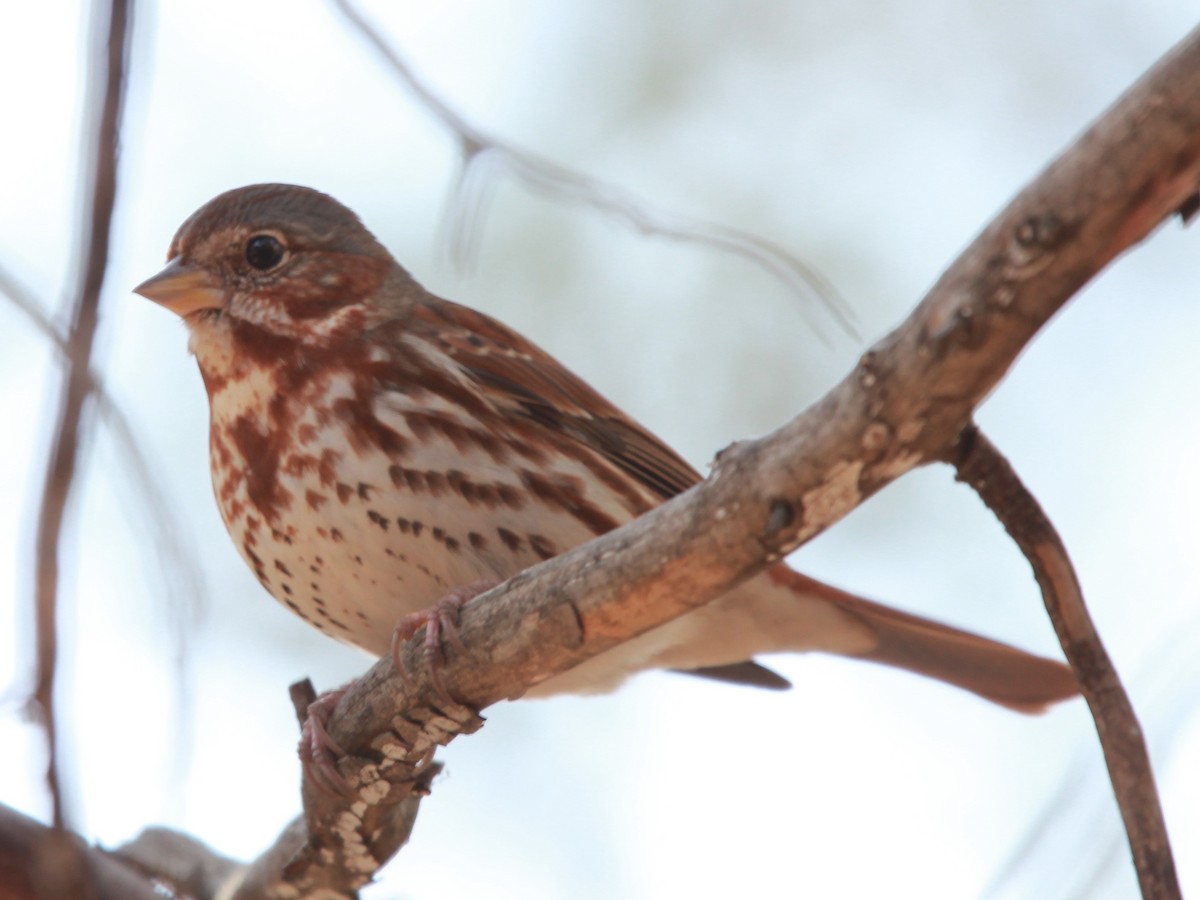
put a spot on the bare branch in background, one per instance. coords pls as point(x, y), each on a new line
point(182, 566)
point(102, 114)
point(486, 156)
point(985, 469)
point(34, 860)
point(1077, 822)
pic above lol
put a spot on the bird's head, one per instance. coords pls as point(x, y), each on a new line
point(282, 260)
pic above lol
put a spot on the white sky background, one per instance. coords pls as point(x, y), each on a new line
point(874, 140)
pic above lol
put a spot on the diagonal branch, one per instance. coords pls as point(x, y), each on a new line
point(905, 404)
point(982, 466)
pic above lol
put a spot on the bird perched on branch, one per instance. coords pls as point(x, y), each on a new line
point(376, 449)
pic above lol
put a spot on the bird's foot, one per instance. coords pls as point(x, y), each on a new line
point(318, 751)
point(440, 622)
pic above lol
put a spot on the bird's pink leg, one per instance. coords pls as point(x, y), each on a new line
point(440, 621)
point(319, 751)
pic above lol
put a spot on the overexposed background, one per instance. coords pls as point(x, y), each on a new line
point(872, 139)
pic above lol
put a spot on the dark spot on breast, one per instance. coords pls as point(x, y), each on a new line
point(542, 546)
point(314, 500)
point(491, 445)
point(298, 464)
point(364, 491)
point(462, 485)
point(530, 452)
point(438, 534)
point(219, 449)
point(425, 424)
point(567, 493)
point(365, 431)
point(335, 534)
point(378, 519)
point(417, 528)
point(261, 453)
point(404, 525)
point(452, 544)
point(344, 491)
point(282, 568)
point(477, 540)
point(510, 496)
point(511, 541)
point(286, 588)
point(326, 467)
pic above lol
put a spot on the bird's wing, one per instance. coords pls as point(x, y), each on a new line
point(518, 375)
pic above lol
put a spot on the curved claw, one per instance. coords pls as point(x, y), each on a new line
point(439, 621)
point(318, 750)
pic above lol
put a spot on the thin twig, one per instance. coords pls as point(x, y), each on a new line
point(171, 550)
point(980, 465)
point(483, 154)
point(181, 575)
point(107, 68)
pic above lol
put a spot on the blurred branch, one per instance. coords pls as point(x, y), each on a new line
point(1074, 822)
point(34, 860)
point(483, 155)
point(130, 454)
point(907, 403)
point(107, 75)
point(985, 469)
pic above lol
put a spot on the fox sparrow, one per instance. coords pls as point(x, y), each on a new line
point(375, 448)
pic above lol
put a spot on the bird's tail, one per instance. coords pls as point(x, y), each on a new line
point(780, 611)
point(1013, 678)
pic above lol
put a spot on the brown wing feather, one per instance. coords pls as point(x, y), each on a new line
point(527, 380)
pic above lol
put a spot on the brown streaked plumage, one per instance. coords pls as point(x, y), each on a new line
point(375, 447)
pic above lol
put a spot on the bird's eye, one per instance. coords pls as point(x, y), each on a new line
point(264, 251)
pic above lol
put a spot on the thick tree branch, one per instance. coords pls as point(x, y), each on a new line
point(904, 405)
